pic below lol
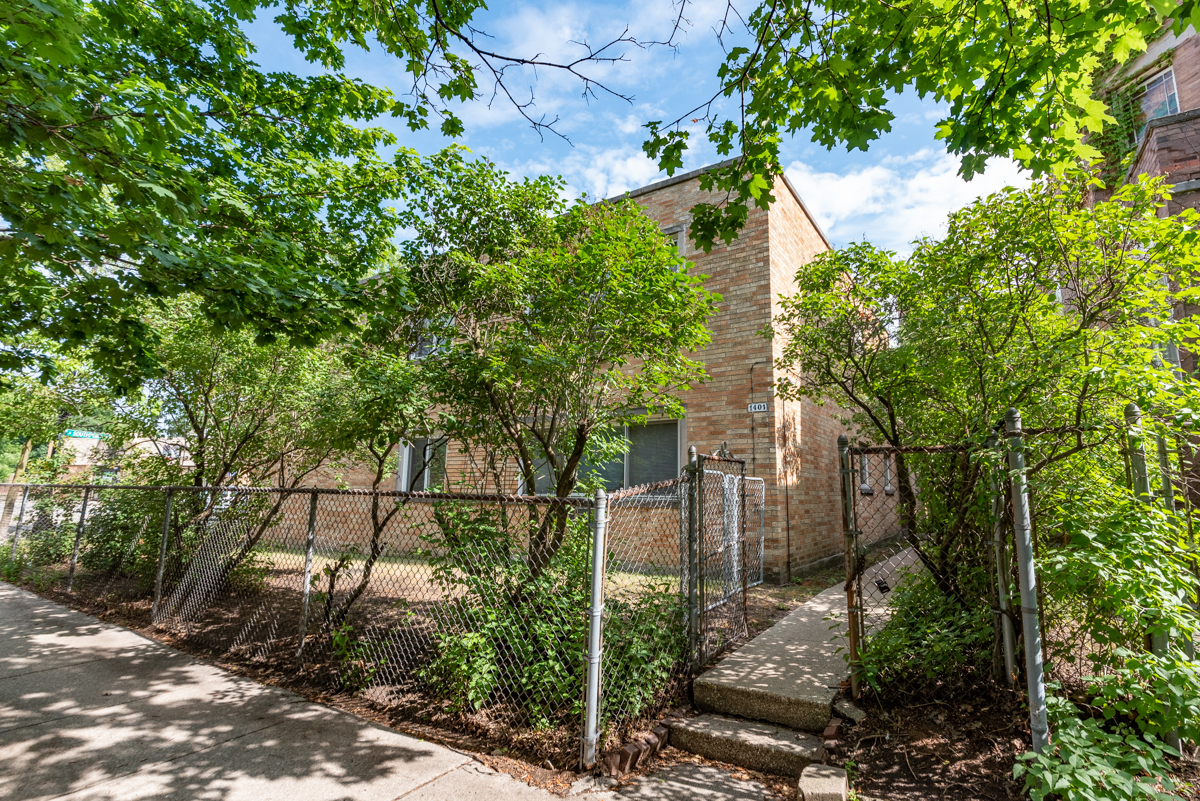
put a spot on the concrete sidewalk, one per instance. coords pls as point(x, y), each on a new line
point(94, 711)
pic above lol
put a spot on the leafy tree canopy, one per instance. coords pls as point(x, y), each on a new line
point(146, 155)
point(1032, 300)
point(541, 327)
point(1016, 80)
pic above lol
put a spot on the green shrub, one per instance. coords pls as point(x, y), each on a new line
point(1088, 761)
point(929, 637)
point(355, 666)
point(512, 636)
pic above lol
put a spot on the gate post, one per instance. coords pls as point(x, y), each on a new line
point(78, 536)
point(1034, 673)
point(851, 543)
point(595, 642)
point(693, 589)
point(1159, 642)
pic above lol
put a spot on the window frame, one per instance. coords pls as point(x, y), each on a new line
point(403, 477)
point(1145, 88)
point(680, 446)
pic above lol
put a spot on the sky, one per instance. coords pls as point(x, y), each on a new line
point(902, 188)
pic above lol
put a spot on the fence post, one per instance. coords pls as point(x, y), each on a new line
point(595, 646)
point(20, 519)
point(162, 557)
point(701, 563)
point(1159, 643)
point(1003, 571)
point(851, 543)
point(693, 625)
point(1137, 453)
point(78, 536)
point(1027, 575)
point(308, 557)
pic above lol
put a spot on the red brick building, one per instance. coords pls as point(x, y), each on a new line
point(1166, 86)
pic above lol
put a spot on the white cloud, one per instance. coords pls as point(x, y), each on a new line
point(600, 172)
point(897, 199)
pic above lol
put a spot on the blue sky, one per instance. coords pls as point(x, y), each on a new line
point(900, 189)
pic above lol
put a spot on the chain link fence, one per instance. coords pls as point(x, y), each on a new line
point(919, 559)
point(467, 610)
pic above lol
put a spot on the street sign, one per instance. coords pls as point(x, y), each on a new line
point(758, 407)
point(77, 434)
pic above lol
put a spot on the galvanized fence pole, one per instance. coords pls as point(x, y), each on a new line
point(162, 557)
point(308, 559)
point(1027, 575)
point(1003, 572)
point(20, 520)
point(591, 734)
point(1137, 453)
point(701, 565)
point(851, 548)
point(78, 537)
point(742, 546)
point(693, 555)
point(1159, 642)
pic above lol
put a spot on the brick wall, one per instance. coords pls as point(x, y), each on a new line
point(1185, 62)
point(1171, 147)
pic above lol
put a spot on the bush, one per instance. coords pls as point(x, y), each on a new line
point(930, 637)
point(1088, 761)
point(512, 636)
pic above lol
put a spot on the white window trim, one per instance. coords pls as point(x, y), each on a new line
point(402, 475)
point(1174, 87)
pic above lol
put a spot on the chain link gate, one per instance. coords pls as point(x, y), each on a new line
point(714, 523)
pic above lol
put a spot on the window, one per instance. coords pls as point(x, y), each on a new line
point(1158, 97)
point(652, 455)
point(677, 235)
point(423, 466)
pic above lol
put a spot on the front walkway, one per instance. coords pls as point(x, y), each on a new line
point(94, 711)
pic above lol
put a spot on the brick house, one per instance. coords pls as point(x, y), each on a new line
point(1166, 86)
point(1167, 81)
point(790, 445)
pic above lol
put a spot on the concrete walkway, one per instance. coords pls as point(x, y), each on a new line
point(93, 711)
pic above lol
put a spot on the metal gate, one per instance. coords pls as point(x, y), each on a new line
point(721, 562)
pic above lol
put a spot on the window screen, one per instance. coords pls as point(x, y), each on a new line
point(653, 452)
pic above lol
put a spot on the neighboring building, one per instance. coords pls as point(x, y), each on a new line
point(1163, 84)
point(1164, 135)
point(791, 445)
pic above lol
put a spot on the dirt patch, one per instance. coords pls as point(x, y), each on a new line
point(963, 751)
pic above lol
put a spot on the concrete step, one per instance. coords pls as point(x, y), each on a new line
point(789, 674)
point(748, 743)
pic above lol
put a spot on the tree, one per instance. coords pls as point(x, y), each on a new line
point(545, 327)
point(1017, 80)
point(378, 405)
point(146, 156)
point(933, 349)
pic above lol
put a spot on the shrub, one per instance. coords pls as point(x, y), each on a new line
point(512, 636)
point(929, 637)
point(1088, 761)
